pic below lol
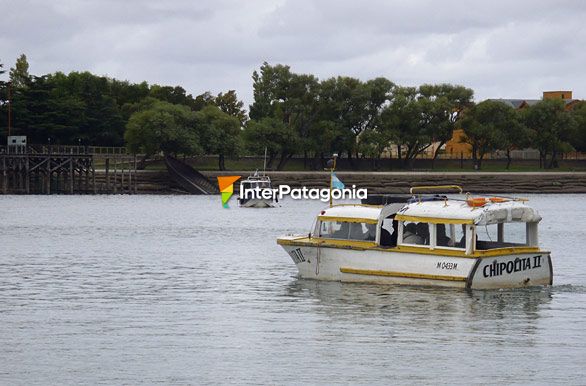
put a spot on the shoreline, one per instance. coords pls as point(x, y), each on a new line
point(158, 181)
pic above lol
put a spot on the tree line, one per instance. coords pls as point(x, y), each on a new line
point(292, 115)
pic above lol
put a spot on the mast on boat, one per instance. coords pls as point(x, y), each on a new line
point(264, 163)
point(332, 169)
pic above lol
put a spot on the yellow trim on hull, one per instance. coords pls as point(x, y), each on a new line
point(408, 275)
point(329, 243)
point(433, 220)
point(369, 245)
point(348, 219)
point(449, 252)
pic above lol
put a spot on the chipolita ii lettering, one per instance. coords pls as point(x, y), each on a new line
point(519, 264)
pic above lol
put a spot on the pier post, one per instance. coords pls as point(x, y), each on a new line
point(4, 176)
point(20, 172)
point(48, 182)
point(94, 178)
point(129, 177)
point(122, 175)
point(87, 178)
point(71, 175)
point(108, 175)
point(115, 172)
point(135, 177)
point(28, 177)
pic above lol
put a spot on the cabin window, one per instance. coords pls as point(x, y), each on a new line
point(450, 236)
point(416, 233)
point(442, 234)
point(348, 230)
point(504, 235)
point(514, 233)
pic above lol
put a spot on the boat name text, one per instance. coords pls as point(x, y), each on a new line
point(517, 265)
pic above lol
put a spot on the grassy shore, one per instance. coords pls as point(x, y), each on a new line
point(251, 164)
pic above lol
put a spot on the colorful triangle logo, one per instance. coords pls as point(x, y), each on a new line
point(226, 185)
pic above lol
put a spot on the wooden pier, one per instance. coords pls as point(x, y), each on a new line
point(46, 169)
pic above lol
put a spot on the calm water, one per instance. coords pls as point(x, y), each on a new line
point(177, 290)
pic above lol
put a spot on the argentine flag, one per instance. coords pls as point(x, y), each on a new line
point(336, 183)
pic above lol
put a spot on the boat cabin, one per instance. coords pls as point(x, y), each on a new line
point(445, 226)
point(256, 181)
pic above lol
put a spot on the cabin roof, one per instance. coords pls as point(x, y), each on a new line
point(366, 212)
point(256, 178)
point(461, 212)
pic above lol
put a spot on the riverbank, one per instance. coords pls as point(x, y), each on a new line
point(158, 182)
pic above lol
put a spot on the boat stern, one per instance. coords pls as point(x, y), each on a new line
point(513, 271)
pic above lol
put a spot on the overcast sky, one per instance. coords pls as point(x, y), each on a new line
point(501, 49)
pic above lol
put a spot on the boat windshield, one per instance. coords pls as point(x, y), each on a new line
point(342, 230)
point(256, 184)
point(502, 235)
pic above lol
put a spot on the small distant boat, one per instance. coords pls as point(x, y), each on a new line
point(467, 242)
point(257, 183)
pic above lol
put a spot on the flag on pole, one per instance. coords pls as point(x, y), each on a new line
point(336, 183)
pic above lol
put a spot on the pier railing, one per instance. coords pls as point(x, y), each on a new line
point(66, 169)
point(64, 149)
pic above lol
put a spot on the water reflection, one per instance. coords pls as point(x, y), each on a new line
point(427, 310)
point(416, 300)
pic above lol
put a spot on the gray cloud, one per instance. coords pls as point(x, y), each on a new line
point(499, 48)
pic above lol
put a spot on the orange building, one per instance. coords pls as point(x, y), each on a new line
point(456, 146)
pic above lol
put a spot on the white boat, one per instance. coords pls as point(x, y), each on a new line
point(251, 192)
point(478, 243)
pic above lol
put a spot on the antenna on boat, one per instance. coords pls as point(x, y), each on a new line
point(264, 163)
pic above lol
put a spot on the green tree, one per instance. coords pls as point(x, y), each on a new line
point(552, 126)
point(485, 126)
point(272, 134)
point(102, 121)
point(203, 100)
point(228, 102)
point(175, 95)
point(219, 133)
point(287, 97)
point(345, 102)
point(372, 142)
point(517, 136)
point(579, 140)
point(270, 86)
point(163, 127)
point(446, 103)
point(404, 121)
point(417, 118)
point(19, 75)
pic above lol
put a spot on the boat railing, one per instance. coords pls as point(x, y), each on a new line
point(435, 188)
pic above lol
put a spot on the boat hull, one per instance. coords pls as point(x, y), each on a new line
point(256, 203)
point(377, 265)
